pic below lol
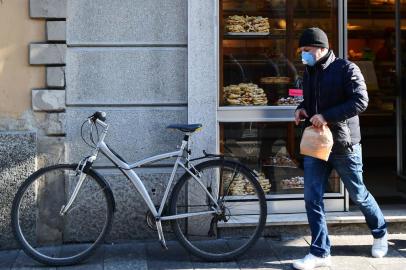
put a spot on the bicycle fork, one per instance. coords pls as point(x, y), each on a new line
point(84, 163)
point(65, 208)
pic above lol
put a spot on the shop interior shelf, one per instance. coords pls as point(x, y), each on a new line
point(280, 13)
point(256, 113)
point(376, 13)
point(274, 34)
point(251, 36)
point(368, 34)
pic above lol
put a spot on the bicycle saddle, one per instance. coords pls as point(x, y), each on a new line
point(185, 128)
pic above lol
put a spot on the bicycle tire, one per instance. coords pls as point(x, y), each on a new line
point(211, 254)
point(34, 252)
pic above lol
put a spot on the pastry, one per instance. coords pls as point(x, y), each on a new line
point(294, 182)
point(247, 24)
point(289, 101)
point(244, 94)
point(240, 186)
point(281, 161)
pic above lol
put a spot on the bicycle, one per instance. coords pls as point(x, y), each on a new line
point(205, 199)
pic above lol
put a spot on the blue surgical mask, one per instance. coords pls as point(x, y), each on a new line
point(308, 58)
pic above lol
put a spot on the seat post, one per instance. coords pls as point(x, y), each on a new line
point(188, 152)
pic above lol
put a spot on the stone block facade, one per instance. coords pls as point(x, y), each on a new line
point(47, 54)
point(56, 30)
point(48, 100)
point(17, 161)
point(131, 59)
point(126, 76)
point(49, 9)
point(127, 22)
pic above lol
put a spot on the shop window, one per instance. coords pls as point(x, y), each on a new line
point(260, 60)
point(260, 86)
point(271, 149)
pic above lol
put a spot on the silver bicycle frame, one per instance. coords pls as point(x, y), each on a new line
point(127, 169)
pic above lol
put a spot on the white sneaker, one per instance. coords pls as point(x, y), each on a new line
point(380, 246)
point(310, 261)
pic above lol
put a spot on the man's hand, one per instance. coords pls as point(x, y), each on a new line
point(299, 115)
point(318, 120)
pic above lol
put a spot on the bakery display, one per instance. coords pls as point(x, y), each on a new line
point(289, 101)
point(244, 94)
point(264, 182)
point(294, 182)
point(281, 161)
point(246, 24)
point(275, 80)
point(239, 186)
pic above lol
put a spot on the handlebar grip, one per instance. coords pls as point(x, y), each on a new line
point(99, 115)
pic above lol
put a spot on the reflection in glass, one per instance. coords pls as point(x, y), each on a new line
point(259, 42)
point(272, 150)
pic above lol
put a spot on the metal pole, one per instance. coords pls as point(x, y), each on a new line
point(399, 99)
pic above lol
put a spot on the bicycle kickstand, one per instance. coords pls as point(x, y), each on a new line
point(161, 234)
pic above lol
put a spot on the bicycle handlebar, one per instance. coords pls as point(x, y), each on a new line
point(99, 115)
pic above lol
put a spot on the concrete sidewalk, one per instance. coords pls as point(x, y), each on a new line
point(349, 252)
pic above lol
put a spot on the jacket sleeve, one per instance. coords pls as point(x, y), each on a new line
point(357, 96)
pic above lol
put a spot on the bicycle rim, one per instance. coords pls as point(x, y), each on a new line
point(219, 236)
point(50, 237)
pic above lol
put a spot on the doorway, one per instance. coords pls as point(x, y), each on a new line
point(376, 32)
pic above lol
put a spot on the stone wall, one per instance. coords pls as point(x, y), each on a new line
point(129, 59)
point(17, 161)
point(138, 61)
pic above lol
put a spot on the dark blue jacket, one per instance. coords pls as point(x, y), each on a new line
point(336, 89)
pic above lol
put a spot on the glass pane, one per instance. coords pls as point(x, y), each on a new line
point(272, 150)
point(371, 45)
point(260, 60)
point(403, 83)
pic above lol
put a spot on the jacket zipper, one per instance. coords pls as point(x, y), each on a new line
point(316, 92)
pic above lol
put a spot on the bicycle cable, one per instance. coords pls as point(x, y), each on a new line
point(83, 138)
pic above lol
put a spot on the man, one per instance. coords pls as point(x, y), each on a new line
point(334, 93)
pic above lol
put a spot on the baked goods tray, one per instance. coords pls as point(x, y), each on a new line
point(280, 166)
point(294, 189)
point(247, 33)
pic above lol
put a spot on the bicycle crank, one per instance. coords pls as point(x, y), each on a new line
point(161, 234)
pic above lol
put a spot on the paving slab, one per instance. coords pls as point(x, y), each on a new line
point(260, 256)
point(95, 262)
point(288, 250)
point(356, 250)
point(23, 262)
point(7, 259)
point(352, 267)
point(349, 253)
point(398, 242)
point(208, 245)
point(131, 256)
point(175, 257)
point(401, 266)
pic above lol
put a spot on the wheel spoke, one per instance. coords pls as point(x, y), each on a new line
point(205, 234)
point(47, 236)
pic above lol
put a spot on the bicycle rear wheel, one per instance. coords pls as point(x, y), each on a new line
point(50, 237)
point(214, 237)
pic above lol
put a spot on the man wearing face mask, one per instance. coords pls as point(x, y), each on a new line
point(334, 93)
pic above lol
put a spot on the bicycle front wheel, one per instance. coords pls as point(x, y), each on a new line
point(238, 198)
point(51, 237)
